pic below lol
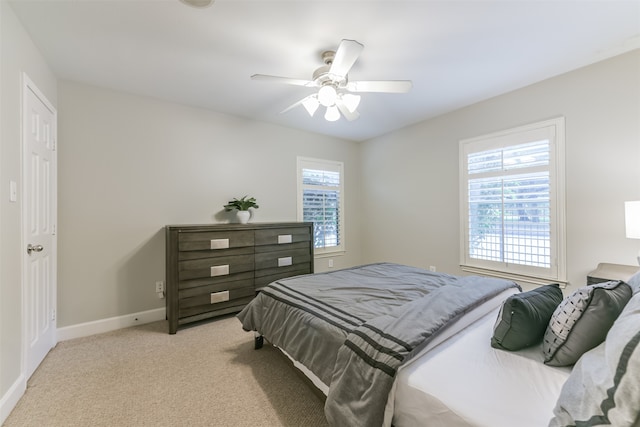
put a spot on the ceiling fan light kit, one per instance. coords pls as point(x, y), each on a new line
point(351, 101)
point(327, 96)
point(334, 87)
point(332, 114)
point(311, 104)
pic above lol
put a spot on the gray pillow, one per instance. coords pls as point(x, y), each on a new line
point(634, 282)
point(524, 317)
point(603, 386)
point(582, 321)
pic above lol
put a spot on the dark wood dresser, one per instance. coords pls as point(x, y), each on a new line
point(216, 269)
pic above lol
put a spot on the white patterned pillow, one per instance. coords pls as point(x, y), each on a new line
point(582, 321)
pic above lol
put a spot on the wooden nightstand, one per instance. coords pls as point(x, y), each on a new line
point(606, 272)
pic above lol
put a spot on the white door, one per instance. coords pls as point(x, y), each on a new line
point(39, 197)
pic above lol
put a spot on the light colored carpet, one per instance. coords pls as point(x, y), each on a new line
point(207, 375)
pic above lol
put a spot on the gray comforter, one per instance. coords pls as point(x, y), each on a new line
point(353, 328)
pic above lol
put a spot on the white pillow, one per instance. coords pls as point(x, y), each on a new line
point(604, 386)
point(634, 282)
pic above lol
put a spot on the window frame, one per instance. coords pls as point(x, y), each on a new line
point(555, 129)
point(326, 165)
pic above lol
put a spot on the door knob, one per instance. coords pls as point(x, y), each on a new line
point(34, 248)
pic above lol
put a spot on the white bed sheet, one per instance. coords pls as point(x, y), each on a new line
point(466, 382)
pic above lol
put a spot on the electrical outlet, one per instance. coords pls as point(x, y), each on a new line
point(330, 263)
point(159, 287)
point(432, 268)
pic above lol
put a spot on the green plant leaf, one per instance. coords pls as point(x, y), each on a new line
point(242, 204)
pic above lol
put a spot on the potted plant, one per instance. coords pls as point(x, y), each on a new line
point(242, 206)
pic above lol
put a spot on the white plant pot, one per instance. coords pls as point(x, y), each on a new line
point(243, 216)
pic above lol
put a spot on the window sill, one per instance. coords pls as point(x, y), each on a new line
point(539, 281)
point(328, 254)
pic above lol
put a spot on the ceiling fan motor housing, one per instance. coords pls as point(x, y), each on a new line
point(328, 56)
point(321, 76)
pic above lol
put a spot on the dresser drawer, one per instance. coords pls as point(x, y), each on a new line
point(274, 265)
point(285, 258)
point(282, 236)
point(192, 255)
point(216, 280)
point(214, 240)
point(205, 300)
point(203, 308)
point(266, 276)
point(206, 289)
point(215, 267)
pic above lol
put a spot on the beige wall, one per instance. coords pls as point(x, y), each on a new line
point(130, 165)
point(410, 192)
point(18, 55)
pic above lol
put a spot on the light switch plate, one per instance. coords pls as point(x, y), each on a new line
point(13, 191)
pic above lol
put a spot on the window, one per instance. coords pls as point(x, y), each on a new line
point(512, 202)
point(321, 201)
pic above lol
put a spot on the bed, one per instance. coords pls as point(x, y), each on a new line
point(390, 344)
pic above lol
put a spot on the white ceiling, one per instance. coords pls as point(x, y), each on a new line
point(455, 52)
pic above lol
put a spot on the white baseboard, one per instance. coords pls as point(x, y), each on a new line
point(110, 324)
point(15, 392)
point(11, 398)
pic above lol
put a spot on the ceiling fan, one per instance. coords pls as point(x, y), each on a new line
point(335, 91)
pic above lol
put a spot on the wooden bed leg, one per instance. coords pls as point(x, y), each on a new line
point(258, 341)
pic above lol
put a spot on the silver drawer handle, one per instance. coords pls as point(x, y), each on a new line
point(219, 243)
point(34, 248)
point(285, 261)
point(219, 297)
point(284, 238)
point(219, 270)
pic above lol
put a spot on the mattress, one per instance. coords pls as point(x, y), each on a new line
point(466, 382)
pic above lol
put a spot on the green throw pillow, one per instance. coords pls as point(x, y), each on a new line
point(524, 317)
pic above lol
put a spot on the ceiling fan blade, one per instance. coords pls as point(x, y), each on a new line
point(285, 80)
point(302, 102)
point(351, 116)
point(388, 86)
point(345, 57)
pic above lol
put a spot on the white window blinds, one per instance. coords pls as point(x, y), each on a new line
point(511, 211)
point(320, 200)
